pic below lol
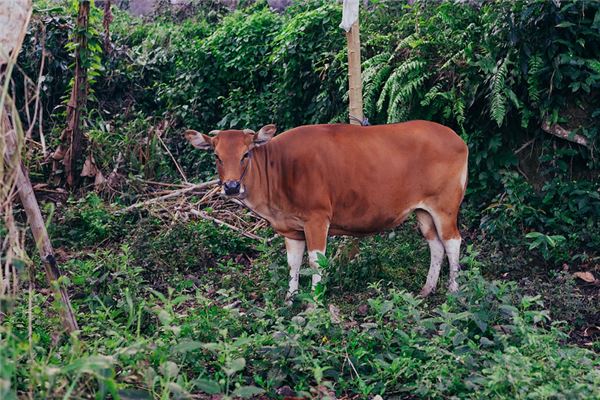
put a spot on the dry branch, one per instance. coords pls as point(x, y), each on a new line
point(563, 133)
point(172, 194)
point(172, 205)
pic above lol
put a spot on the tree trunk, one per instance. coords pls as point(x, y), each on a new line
point(72, 137)
point(106, 20)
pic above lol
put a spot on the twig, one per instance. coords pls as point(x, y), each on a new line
point(172, 158)
point(163, 183)
point(520, 149)
point(174, 193)
point(204, 215)
point(38, 89)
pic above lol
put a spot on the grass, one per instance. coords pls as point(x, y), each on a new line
point(174, 311)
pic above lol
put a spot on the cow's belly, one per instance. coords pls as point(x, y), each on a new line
point(364, 225)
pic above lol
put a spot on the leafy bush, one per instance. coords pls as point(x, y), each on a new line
point(560, 209)
point(85, 222)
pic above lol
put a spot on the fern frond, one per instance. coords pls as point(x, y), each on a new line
point(459, 110)
point(536, 64)
point(373, 88)
point(409, 77)
point(406, 42)
point(391, 82)
point(432, 94)
point(376, 61)
point(498, 103)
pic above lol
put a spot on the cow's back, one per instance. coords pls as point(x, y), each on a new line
point(367, 178)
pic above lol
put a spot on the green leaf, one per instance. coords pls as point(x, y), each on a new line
point(210, 346)
point(565, 24)
point(187, 345)
point(235, 366)
point(322, 260)
point(247, 391)
point(207, 386)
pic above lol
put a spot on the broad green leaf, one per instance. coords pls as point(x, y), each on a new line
point(207, 386)
point(235, 366)
point(187, 345)
point(247, 391)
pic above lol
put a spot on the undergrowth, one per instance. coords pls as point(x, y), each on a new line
point(171, 310)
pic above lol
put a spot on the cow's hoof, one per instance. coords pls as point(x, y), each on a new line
point(453, 287)
point(426, 291)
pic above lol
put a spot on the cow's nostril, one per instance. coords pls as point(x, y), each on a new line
point(232, 187)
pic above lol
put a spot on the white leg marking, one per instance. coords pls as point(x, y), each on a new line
point(312, 259)
point(295, 251)
point(436, 250)
point(453, 251)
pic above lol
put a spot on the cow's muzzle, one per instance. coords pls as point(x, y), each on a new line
point(232, 188)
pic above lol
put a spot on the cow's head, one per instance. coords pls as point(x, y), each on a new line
point(233, 153)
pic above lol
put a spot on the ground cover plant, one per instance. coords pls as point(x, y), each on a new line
point(173, 305)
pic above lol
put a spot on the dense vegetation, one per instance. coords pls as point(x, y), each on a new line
point(169, 309)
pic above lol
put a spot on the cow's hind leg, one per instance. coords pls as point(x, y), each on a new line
point(446, 225)
point(316, 231)
point(436, 250)
point(295, 252)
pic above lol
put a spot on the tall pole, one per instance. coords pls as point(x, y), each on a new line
point(351, 26)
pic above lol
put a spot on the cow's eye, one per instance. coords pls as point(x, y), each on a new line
point(218, 159)
point(245, 156)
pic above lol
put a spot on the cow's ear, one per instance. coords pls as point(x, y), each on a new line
point(199, 140)
point(265, 134)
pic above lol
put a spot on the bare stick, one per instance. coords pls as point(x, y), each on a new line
point(38, 89)
point(172, 158)
point(520, 149)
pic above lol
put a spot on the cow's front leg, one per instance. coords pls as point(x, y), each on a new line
point(316, 239)
point(295, 251)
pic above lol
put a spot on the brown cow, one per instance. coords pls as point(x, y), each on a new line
point(320, 180)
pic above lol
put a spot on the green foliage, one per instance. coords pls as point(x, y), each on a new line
point(86, 222)
point(190, 342)
point(173, 310)
point(568, 210)
point(545, 243)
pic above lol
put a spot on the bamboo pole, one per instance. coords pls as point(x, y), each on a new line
point(354, 75)
point(350, 16)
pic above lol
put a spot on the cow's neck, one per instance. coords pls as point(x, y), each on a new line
point(259, 183)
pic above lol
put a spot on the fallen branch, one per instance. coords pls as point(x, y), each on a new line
point(204, 215)
point(174, 193)
point(563, 133)
point(37, 224)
